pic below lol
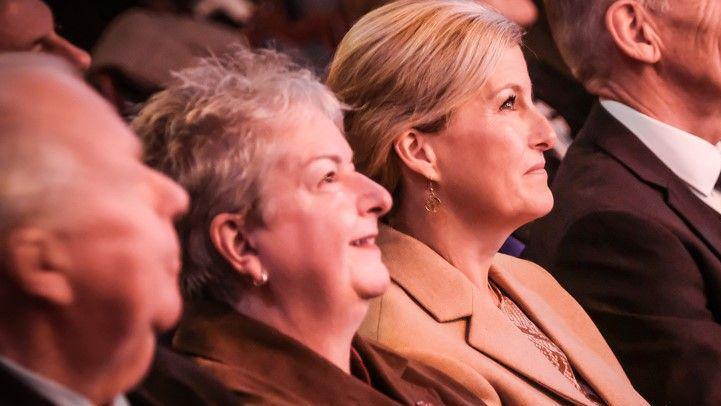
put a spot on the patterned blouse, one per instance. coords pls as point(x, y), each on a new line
point(548, 348)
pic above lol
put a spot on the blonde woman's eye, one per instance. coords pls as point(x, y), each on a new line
point(509, 104)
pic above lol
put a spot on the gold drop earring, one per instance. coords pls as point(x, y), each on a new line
point(433, 202)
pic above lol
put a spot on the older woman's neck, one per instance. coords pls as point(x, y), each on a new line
point(468, 247)
point(322, 330)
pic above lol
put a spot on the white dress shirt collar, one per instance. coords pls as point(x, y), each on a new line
point(693, 159)
point(51, 390)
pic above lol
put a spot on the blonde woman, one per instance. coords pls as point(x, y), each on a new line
point(443, 117)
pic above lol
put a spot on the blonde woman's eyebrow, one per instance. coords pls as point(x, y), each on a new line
point(517, 87)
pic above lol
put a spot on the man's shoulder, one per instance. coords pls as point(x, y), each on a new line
point(591, 180)
point(589, 174)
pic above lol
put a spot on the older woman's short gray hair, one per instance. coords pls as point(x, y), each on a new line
point(213, 132)
point(579, 30)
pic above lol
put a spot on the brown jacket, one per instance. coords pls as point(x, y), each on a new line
point(264, 366)
point(433, 313)
point(175, 380)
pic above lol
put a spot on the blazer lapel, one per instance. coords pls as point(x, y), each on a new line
point(494, 335)
point(624, 146)
point(608, 384)
point(442, 290)
point(447, 295)
point(701, 218)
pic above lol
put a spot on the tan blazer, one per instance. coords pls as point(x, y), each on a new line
point(433, 313)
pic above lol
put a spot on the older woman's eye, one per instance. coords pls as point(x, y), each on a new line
point(509, 104)
point(38, 47)
point(329, 177)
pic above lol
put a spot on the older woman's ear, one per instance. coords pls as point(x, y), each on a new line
point(417, 154)
point(228, 234)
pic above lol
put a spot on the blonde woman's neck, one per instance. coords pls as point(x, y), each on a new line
point(468, 247)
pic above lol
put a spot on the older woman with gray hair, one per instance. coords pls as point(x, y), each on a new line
point(279, 260)
point(443, 117)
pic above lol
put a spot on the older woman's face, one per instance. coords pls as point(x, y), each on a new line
point(490, 157)
point(320, 222)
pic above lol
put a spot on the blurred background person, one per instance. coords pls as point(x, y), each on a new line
point(90, 260)
point(28, 25)
point(84, 300)
point(441, 114)
point(138, 51)
point(636, 232)
point(280, 260)
point(522, 12)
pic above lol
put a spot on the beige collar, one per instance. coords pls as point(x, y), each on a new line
point(428, 277)
point(447, 295)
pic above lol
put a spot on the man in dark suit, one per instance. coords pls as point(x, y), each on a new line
point(89, 258)
point(635, 234)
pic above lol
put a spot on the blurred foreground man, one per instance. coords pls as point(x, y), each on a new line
point(28, 25)
point(88, 254)
point(635, 234)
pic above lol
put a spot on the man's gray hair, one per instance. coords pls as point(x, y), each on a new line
point(213, 132)
point(579, 30)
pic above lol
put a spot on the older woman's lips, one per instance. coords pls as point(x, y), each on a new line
point(368, 241)
point(174, 262)
point(537, 169)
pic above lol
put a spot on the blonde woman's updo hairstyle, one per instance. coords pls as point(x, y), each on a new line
point(215, 132)
point(409, 65)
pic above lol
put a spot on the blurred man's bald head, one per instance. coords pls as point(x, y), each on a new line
point(51, 122)
point(88, 254)
point(32, 81)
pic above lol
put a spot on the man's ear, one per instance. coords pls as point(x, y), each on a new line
point(37, 264)
point(229, 236)
point(417, 154)
point(633, 31)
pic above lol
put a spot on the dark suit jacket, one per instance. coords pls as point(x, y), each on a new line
point(14, 392)
point(172, 380)
point(256, 360)
point(642, 254)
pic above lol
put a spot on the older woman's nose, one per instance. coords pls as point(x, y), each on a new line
point(374, 198)
point(173, 200)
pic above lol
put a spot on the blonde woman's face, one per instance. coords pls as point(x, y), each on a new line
point(317, 240)
point(490, 156)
